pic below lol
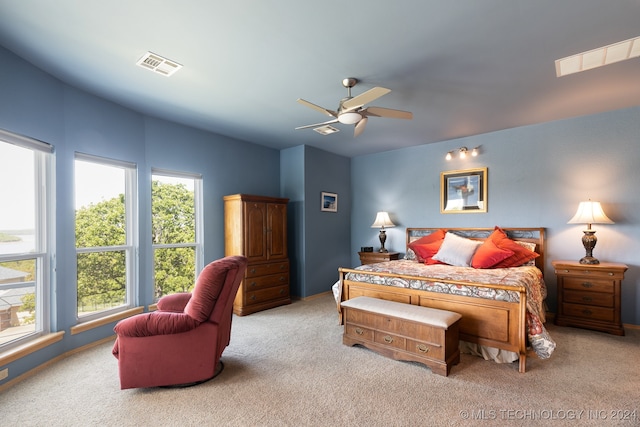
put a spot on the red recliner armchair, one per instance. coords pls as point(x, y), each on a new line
point(181, 343)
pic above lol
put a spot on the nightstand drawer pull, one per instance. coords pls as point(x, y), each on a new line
point(587, 285)
point(422, 348)
point(359, 331)
point(587, 299)
point(587, 312)
point(388, 339)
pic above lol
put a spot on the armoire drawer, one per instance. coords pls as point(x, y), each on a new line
point(255, 283)
point(267, 294)
point(254, 270)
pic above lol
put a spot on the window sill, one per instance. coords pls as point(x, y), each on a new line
point(30, 347)
point(83, 327)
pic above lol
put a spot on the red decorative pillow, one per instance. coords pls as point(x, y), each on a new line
point(425, 251)
point(521, 255)
point(427, 246)
point(488, 255)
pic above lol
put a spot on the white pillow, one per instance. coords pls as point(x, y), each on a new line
point(456, 250)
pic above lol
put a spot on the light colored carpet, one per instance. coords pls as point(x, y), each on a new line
point(287, 367)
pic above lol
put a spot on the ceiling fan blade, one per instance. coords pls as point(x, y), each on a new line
point(364, 98)
point(318, 124)
point(360, 127)
point(388, 112)
point(317, 108)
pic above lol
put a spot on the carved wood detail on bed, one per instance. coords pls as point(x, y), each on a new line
point(492, 323)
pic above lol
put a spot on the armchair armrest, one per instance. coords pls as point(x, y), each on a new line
point(174, 302)
point(155, 323)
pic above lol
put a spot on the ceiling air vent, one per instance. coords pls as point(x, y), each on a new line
point(158, 64)
point(326, 130)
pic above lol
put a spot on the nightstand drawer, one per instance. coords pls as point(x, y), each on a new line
point(590, 298)
point(590, 272)
point(588, 284)
point(374, 257)
point(588, 312)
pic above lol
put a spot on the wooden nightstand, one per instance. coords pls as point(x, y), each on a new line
point(373, 257)
point(589, 295)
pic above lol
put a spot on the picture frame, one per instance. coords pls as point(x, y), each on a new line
point(463, 191)
point(329, 202)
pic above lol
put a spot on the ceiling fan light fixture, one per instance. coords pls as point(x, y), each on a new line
point(349, 118)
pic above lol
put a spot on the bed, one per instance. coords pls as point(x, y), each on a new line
point(503, 309)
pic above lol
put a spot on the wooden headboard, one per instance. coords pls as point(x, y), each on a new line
point(532, 235)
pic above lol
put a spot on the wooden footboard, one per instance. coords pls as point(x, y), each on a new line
point(487, 322)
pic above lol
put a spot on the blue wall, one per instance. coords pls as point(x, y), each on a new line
point(319, 241)
point(39, 106)
point(537, 175)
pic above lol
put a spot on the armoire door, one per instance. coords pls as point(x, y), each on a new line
point(276, 230)
point(255, 215)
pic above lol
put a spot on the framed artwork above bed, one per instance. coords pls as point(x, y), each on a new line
point(463, 191)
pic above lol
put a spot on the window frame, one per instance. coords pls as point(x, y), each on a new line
point(44, 236)
point(198, 245)
point(131, 246)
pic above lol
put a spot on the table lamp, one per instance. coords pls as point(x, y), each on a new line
point(382, 221)
point(589, 213)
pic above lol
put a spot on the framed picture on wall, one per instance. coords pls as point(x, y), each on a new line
point(463, 191)
point(329, 202)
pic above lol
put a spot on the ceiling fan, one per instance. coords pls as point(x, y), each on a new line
point(351, 112)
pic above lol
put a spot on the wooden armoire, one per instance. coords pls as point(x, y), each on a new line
point(256, 227)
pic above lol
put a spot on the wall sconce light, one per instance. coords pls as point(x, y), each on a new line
point(589, 213)
point(382, 221)
point(462, 152)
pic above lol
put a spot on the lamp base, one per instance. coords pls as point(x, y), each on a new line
point(589, 260)
point(589, 241)
point(383, 238)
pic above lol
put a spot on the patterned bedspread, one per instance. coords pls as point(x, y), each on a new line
point(528, 276)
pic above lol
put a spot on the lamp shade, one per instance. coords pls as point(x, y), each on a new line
point(382, 221)
point(590, 213)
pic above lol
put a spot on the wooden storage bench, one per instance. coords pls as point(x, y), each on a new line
point(403, 331)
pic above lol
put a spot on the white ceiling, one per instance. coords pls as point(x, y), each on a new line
point(462, 67)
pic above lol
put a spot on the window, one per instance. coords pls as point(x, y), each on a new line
point(176, 224)
point(106, 235)
point(25, 238)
